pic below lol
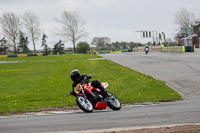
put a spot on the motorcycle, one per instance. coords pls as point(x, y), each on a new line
point(146, 49)
point(89, 98)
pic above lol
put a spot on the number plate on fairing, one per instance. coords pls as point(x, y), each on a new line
point(77, 89)
point(105, 84)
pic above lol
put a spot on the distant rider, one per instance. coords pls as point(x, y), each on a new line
point(77, 78)
point(146, 49)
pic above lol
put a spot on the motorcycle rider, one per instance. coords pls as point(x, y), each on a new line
point(77, 78)
point(146, 49)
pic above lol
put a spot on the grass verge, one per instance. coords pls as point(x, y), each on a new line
point(41, 82)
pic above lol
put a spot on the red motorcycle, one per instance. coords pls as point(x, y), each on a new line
point(89, 98)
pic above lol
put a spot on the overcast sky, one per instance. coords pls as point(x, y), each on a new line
point(116, 19)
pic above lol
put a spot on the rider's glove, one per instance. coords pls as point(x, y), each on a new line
point(89, 76)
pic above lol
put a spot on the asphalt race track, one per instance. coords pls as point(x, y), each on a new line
point(180, 71)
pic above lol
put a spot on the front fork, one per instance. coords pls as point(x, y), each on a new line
point(83, 92)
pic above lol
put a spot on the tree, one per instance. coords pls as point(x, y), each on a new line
point(3, 47)
point(116, 45)
point(83, 47)
point(58, 48)
point(44, 44)
point(133, 44)
point(123, 45)
point(108, 46)
point(184, 18)
point(23, 44)
point(100, 42)
point(10, 26)
point(31, 23)
point(72, 27)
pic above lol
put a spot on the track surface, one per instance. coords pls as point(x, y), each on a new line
point(180, 71)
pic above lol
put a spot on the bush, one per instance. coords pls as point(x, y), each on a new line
point(83, 47)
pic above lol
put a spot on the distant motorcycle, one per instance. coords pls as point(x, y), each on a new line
point(146, 49)
point(89, 98)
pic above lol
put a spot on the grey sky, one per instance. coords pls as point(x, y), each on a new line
point(117, 19)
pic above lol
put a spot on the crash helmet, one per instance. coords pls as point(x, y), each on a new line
point(75, 75)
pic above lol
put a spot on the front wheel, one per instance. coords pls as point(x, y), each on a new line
point(114, 103)
point(83, 104)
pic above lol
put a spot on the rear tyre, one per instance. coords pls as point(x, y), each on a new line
point(86, 106)
point(114, 103)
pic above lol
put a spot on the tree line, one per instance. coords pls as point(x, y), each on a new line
point(105, 43)
point(14, 27)
point(17, 31)
point(100, 43)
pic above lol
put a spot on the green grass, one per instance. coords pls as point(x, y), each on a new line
point(45, 82)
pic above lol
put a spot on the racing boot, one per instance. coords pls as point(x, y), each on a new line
point(107, 96)
point(106, 93)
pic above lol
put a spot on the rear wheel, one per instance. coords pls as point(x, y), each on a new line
point(83, 104)
point(114, 103)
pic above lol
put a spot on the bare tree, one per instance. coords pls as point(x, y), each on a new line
point(72, 27)
point(10, 26)
point(31, 23)
point(184, 18)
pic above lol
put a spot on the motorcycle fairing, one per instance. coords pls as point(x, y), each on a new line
point(88, 88)
point(104, 84)
point(100, 105)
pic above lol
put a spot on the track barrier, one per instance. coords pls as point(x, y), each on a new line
point(22, 55)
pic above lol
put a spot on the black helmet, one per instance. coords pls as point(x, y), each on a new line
point(75, 75)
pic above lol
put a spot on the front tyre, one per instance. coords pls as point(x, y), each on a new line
point(114, 103)
point(83, 104)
